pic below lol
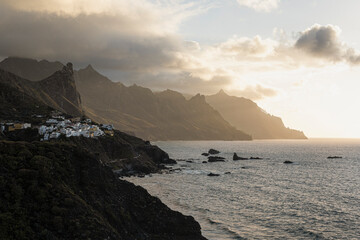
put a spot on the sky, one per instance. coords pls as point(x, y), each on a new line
point(297, 59)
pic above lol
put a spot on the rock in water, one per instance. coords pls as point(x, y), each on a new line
point(334, 157)
point(213, 175)
point(216, 159)
point(213, 151)
point(256, 158)
point(288, 162)
point(236, 157)
point(205, 154)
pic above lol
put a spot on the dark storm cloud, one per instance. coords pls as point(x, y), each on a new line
point(109, 41)
point(323, 41)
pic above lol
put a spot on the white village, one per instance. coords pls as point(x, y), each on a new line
point(58, 126)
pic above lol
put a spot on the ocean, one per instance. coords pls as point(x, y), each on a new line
point(313, 198)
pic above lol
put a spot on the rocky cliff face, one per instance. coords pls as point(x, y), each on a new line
point(57, 91)
point(55, 190)
point(246, 115)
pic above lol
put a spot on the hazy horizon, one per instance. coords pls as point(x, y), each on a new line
point(297, 60)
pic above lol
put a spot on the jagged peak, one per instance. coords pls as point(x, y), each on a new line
point(68, 68)
point(198, 98)
point(222, 92)
point(89, 67)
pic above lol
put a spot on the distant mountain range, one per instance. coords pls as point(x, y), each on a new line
point(247, 116)
point(162, 116)
point(155, 116)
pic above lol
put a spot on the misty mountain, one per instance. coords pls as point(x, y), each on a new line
point(29, 68)
point(57, 91)
point(156, 116)
point(247, 116)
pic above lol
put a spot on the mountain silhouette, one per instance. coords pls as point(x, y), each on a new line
point(247, 116)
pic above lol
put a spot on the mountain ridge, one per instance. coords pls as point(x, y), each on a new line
point(154, 116)
point(58, 90)
point(246, 115)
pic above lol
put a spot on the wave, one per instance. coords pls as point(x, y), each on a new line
point(226, 229)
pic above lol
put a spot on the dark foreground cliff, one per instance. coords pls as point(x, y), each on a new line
point(57, 190)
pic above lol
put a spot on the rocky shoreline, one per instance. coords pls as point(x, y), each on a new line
point(70, 189)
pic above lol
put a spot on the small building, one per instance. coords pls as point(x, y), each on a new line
point(75, 119)
point(109, 132)
point(46, 137)
point(18, 126)
point(55, 135)
point(52, 121)
point(109, 127)
point(42, 130)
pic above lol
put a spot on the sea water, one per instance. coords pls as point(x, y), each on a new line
point(313, 198)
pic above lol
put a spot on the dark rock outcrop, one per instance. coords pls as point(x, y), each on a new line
point(213, 175)
point(205, 154)
point(57, 91)
point(256, 158)
point(288, 162)
point(125, 154)
point(236, 157)
point(216, 159)
point(213, 151)
point(334, 157)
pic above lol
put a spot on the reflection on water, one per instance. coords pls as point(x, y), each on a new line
point(314, 198)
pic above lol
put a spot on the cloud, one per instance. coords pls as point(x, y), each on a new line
point(260, 5)
point(324, 42)
point(129, 35)
point(255, 92)
point(137, 42)
point(248, 46)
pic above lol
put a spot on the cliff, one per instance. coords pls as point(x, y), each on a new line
point(247, 116)
point(67, 189)
point(57, 190)
point(57, 91)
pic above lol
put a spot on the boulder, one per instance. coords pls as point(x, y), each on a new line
point(228, 173)
point(204, 162)
point(236, 157)
point(288, 162)
point(205, 154)
point(213, 151)
point(334, 157)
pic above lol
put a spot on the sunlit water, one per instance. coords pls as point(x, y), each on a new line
point(314, 198)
